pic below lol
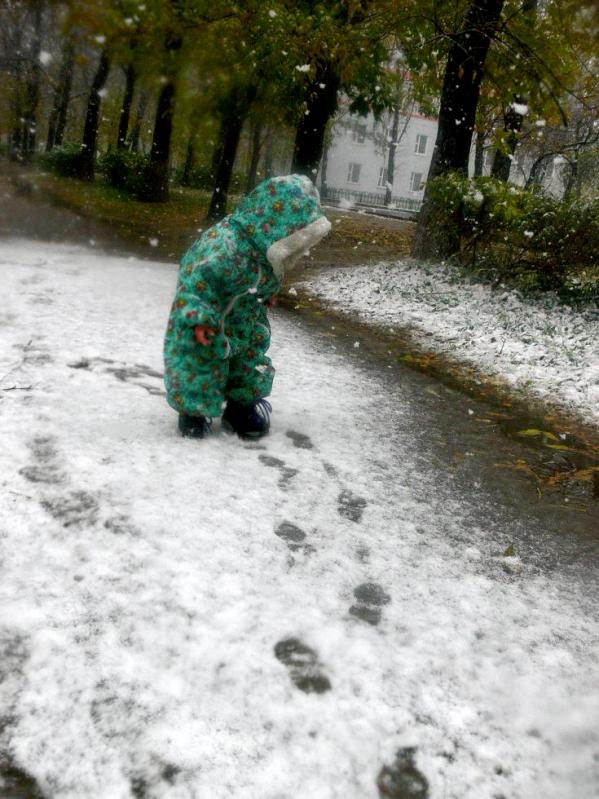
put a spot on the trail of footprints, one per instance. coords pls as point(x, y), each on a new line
point(401, 778)
point(138, 374)
point(370, 598)
point(70, 507)
point(73, 507)
point(77, 507)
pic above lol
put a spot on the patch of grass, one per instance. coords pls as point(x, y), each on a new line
point(174, 224)
point(355, 238)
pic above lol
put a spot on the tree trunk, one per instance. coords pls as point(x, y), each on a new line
point(572, 184)
point(86, 166)
point(512, 121)
point(156, 189)
point(268, 154)
point(189, 162)
point(233, 112)
point(156, 184)
point(539, 169)
point(391, 158)
point(255, 155)
point(32, 87)
point(502, 162)
point(62, 95)
point(130, 78)
point(16, 132)
point(479, 154)
point(459, 101)
point(323, 171)
point(321, 104)
point(140, 114)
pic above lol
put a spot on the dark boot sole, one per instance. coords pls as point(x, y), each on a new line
point(193, 435)
point(228, 427)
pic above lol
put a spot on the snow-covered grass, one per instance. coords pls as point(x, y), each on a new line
point(143, 587)
point(539, 345)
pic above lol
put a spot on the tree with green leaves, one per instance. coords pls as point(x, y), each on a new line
point(319, 52)
point(62, 94)
point(21, 31)
point(496, 51)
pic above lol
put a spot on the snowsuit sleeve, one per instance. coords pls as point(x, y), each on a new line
point(197, 301)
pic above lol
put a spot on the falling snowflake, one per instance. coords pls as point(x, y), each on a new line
point(520, 108)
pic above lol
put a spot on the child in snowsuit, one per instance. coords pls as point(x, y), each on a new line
point(218, 331)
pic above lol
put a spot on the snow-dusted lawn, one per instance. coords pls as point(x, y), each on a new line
point(541, 346)
point(143, 588)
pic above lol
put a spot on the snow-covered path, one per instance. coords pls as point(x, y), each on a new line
point(165, 603)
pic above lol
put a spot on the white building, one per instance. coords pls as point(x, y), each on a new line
point(355, 165)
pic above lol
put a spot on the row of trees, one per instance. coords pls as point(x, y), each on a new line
point(285, 62)
point(211, 69)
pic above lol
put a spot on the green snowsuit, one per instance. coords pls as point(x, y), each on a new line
point(225, 278)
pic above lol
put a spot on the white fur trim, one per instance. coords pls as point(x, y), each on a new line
point(283, 253)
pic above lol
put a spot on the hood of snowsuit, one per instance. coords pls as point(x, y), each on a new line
point(282, 218)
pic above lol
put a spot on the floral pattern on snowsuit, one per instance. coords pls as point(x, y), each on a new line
point(224, 281)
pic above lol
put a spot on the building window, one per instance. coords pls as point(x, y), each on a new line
point(358, 133)
point(421, 142)
point(416, 181)
point(353, 173)
point(382, 176)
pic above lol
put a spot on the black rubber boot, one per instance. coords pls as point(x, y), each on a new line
point(194, 426)
point(248, 421)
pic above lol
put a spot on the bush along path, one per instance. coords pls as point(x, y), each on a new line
point(507, 233)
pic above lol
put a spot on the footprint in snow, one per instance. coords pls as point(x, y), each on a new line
point(330, 469)
point(74, 507)
point(350, 505)
point(45, 468)
point(295, 537)
point(303, 666)
point(16, 783)
point(34, 354)
point(300, 440)
point(121, 525)
point(402, 780)
point(276, 463)
point(142, 788)
point(370, 598)
point(136, 374)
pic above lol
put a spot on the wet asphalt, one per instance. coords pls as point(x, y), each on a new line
point(545, 497)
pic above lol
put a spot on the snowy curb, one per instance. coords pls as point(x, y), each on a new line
point(535, 345)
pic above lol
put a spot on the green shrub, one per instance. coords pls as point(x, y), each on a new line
point(202, 177)
point(125, 170)
point(199, 177)
point(509, 231)
point(63, 160)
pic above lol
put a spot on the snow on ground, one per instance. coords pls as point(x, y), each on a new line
point(144, 587)
point(541, 346)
